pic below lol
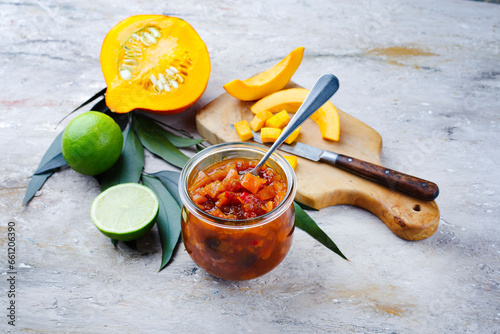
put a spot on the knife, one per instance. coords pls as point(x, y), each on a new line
point(420, 188)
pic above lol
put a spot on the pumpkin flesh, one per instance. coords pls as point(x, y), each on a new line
point(267, 82)
point(327, 117)
point(155, 63)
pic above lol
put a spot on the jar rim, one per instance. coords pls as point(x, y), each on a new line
point(237, 223)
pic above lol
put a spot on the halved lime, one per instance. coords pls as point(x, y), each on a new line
point(125, 212)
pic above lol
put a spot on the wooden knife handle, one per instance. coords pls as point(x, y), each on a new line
point(395, 180)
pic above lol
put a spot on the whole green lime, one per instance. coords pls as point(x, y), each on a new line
point(92, 143)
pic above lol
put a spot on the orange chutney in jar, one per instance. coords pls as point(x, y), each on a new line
point(228, 190)
point(237, 226)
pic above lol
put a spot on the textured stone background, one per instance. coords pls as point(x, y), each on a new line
point(437, 112)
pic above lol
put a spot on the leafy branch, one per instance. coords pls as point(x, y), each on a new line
point(162, 140)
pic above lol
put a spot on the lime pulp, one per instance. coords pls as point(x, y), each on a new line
point(125, 211)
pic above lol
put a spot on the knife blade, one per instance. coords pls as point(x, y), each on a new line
point(411, 185)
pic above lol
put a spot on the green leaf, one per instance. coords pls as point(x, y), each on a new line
point(35, 184)
point(306, 207)
point(55, 162)
point(168, 220)
point(121, 119)
point(158, 144)
point(100, 106)
point(97, 95)
point(200, 147)
point(102, 92)
point(45, 168)
point(53, 151)
point(153, 127)
point(170, 180)
point(129, 166)
point(308, 225)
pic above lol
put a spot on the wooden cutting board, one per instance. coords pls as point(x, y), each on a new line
point(321, 185)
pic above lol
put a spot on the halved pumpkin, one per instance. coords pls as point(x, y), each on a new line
point(267, 82)
point(155, 63)
point(327, 117)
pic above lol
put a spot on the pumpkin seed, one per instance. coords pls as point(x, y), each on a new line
point(145, 41)
point(125, 73)
point(160, 86)
point(130, 62)
point(155, 32)
point(170, 79)
point(152, 77)
point(149, 38)
point(133, 54)
point(162, 79)
point(169, 72)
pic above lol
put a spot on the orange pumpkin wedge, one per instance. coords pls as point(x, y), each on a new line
point(327, 117)
point(267, 82)
point(155, 63)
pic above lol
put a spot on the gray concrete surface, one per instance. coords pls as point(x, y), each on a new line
point(437, 113)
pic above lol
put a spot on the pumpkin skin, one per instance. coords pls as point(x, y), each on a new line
point(155, 63)
point(267, 82)
point(327, 117)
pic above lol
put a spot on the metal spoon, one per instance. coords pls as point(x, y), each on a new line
point(322, 90)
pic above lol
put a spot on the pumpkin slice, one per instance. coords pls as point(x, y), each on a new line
point(292, 160)
point(155, 63)
point(327, 117)
point(267, 82)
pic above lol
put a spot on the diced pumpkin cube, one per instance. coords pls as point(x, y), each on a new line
point(217, 213)
point(243, 130)
point(291, 138)
point(232, 174)
point(279, 120)
point(246, 198)
point(224, 198)
point(266, 193)
point(198, 198)
point(276, 177)
point(292, 160)
point(202, 191)
point(279, 197)
point(202, 179)
point(268, 206)
point(229, 184)
point(220, 173)
point(279, 186)
point(212, 189)
point(269, 135)
point(252, 183)
point(260, 119)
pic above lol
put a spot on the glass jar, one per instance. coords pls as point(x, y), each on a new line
point(237, 249)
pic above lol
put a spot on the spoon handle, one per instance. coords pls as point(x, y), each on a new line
point(321, 92)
